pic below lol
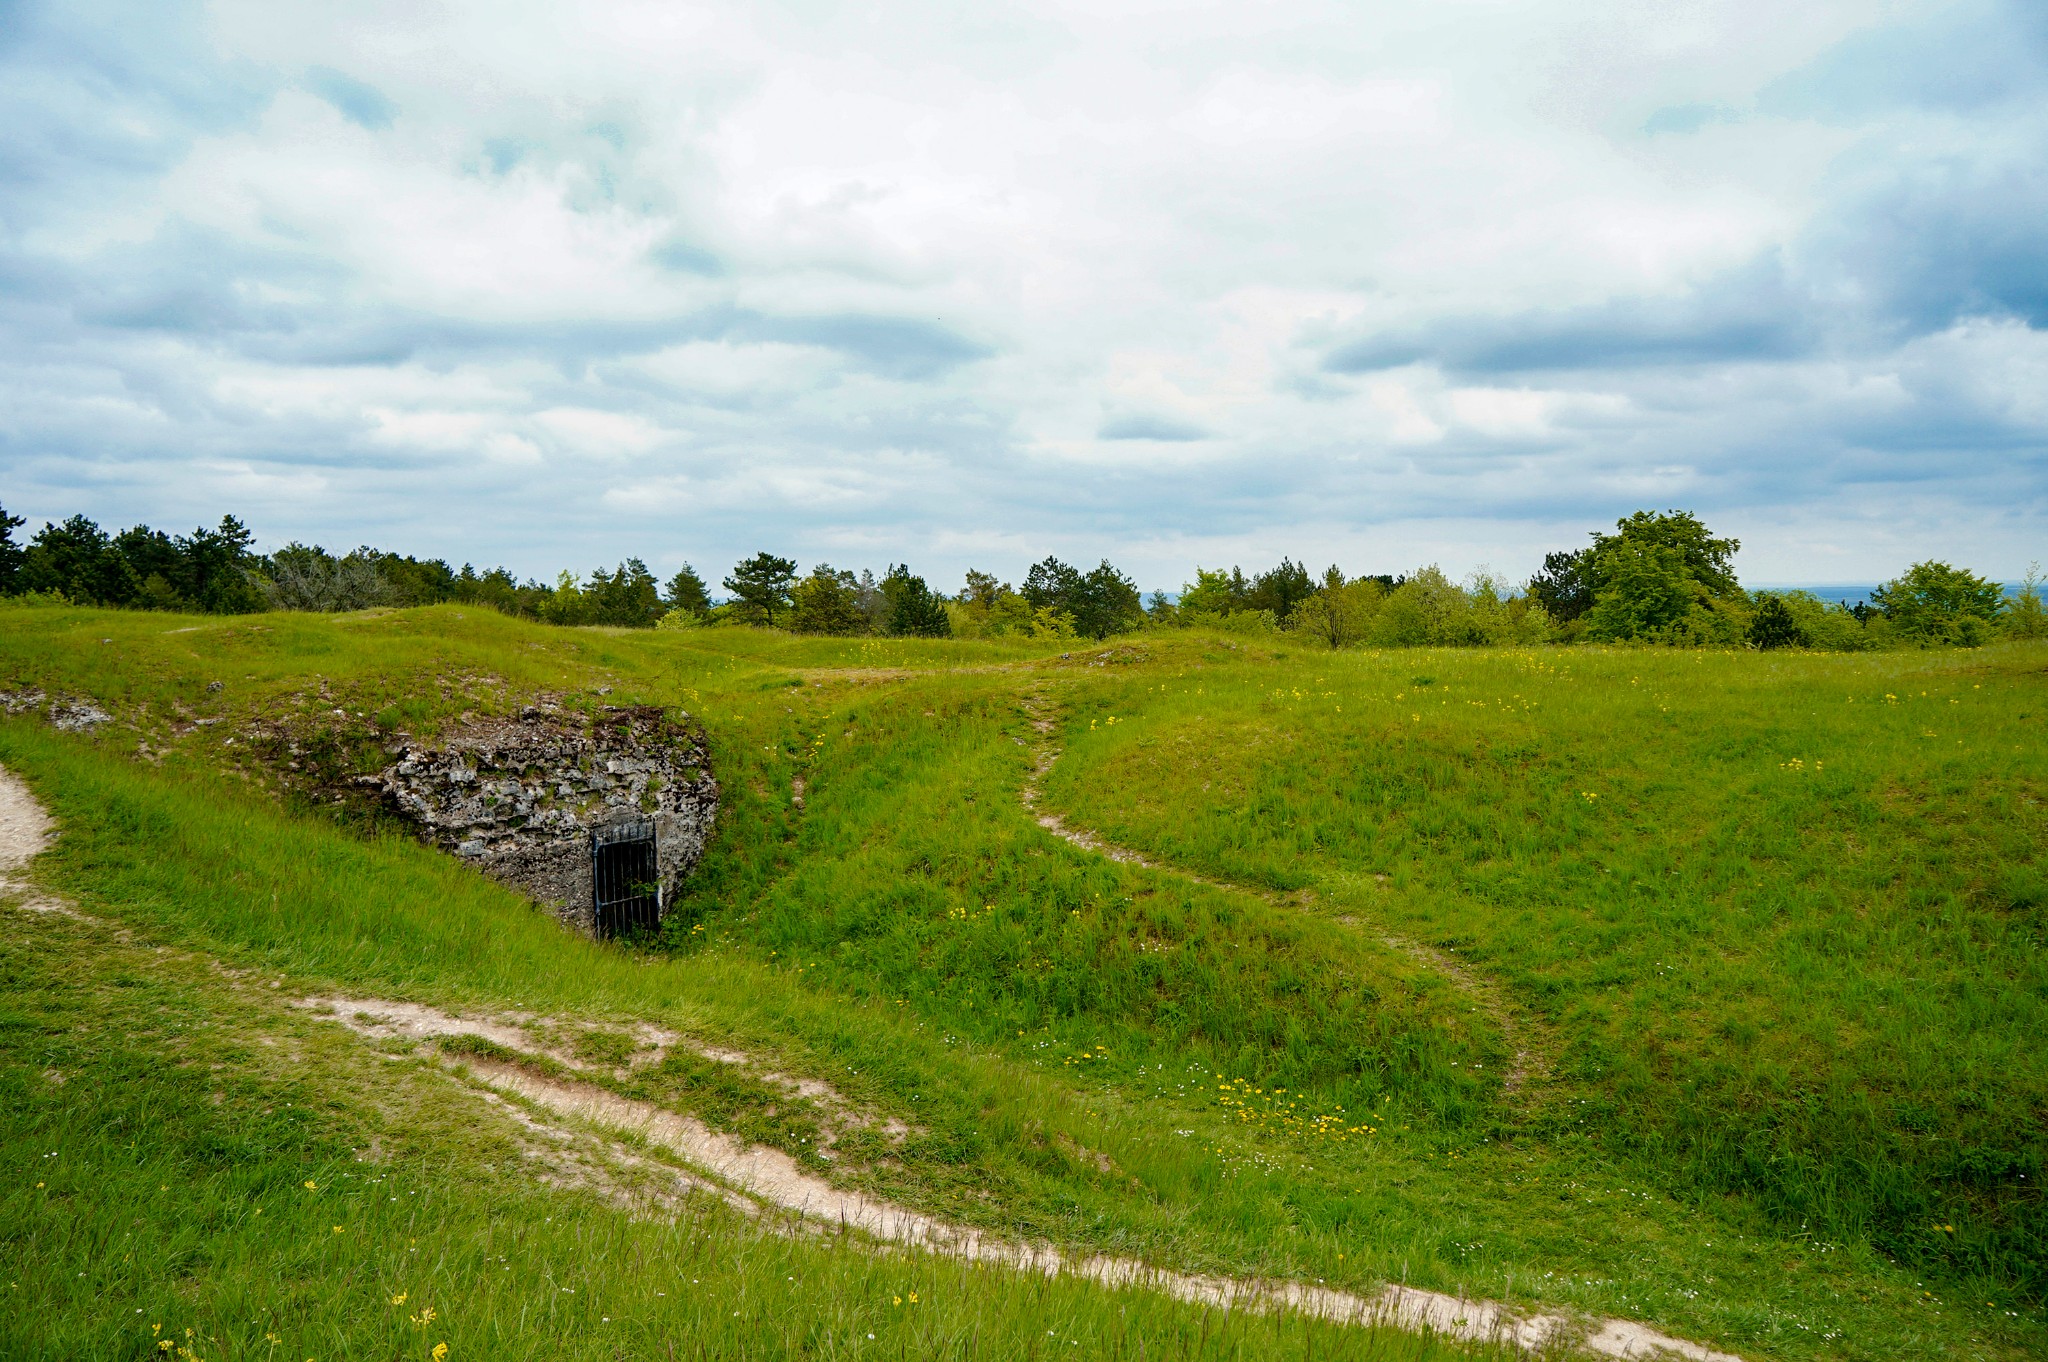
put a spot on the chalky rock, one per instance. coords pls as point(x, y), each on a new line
point(520, 798)
point(67, 715)
point(78, 716)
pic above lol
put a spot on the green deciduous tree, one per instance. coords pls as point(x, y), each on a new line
point(760, 587)
point(566, 604)
point(1934, 603)
point(1050, 622)
point(1644, 591)
point(1214, 592)
point(989, 608)
point(827, 602)
point(1339, 612)
point(1663, 578)
point(1702, 558)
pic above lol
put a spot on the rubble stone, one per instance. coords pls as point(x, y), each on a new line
point(519, 798)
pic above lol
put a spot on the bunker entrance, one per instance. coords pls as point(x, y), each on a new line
point(625, 878)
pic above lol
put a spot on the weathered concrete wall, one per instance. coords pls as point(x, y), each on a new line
point(518, 797)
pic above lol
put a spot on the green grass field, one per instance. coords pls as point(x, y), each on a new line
point(1757, 937)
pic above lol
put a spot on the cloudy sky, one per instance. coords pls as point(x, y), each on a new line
point(1378, 283)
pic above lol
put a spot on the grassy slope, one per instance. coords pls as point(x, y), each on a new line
point(186, 1161)
point(912, 923)
point(1783, 916)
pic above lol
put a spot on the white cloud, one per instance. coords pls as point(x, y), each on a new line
point(1131, 278)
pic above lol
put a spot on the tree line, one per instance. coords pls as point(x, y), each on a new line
point(1657, 578)
point(217, 571)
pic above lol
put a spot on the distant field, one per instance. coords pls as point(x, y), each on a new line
point(1700, 989)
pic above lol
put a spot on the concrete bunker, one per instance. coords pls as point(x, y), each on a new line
point(597, 816)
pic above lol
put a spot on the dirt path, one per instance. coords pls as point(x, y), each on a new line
point(25, 831)
point(1529, 1043)
point(772, 1181)
point(581, 1123)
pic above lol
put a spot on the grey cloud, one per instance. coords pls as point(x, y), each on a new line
point(226, 293)
point(1906, 244)
point(93, 96)
point(1747, 315)
point(1938, 239)
point(899, 347)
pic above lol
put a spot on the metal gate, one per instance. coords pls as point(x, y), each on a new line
point(625, 878)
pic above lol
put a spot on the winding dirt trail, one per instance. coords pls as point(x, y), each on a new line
point(584, 1120)
point(763, 1180)
point(1529, 1043)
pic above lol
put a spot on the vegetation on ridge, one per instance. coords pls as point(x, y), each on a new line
point(1660, 578)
